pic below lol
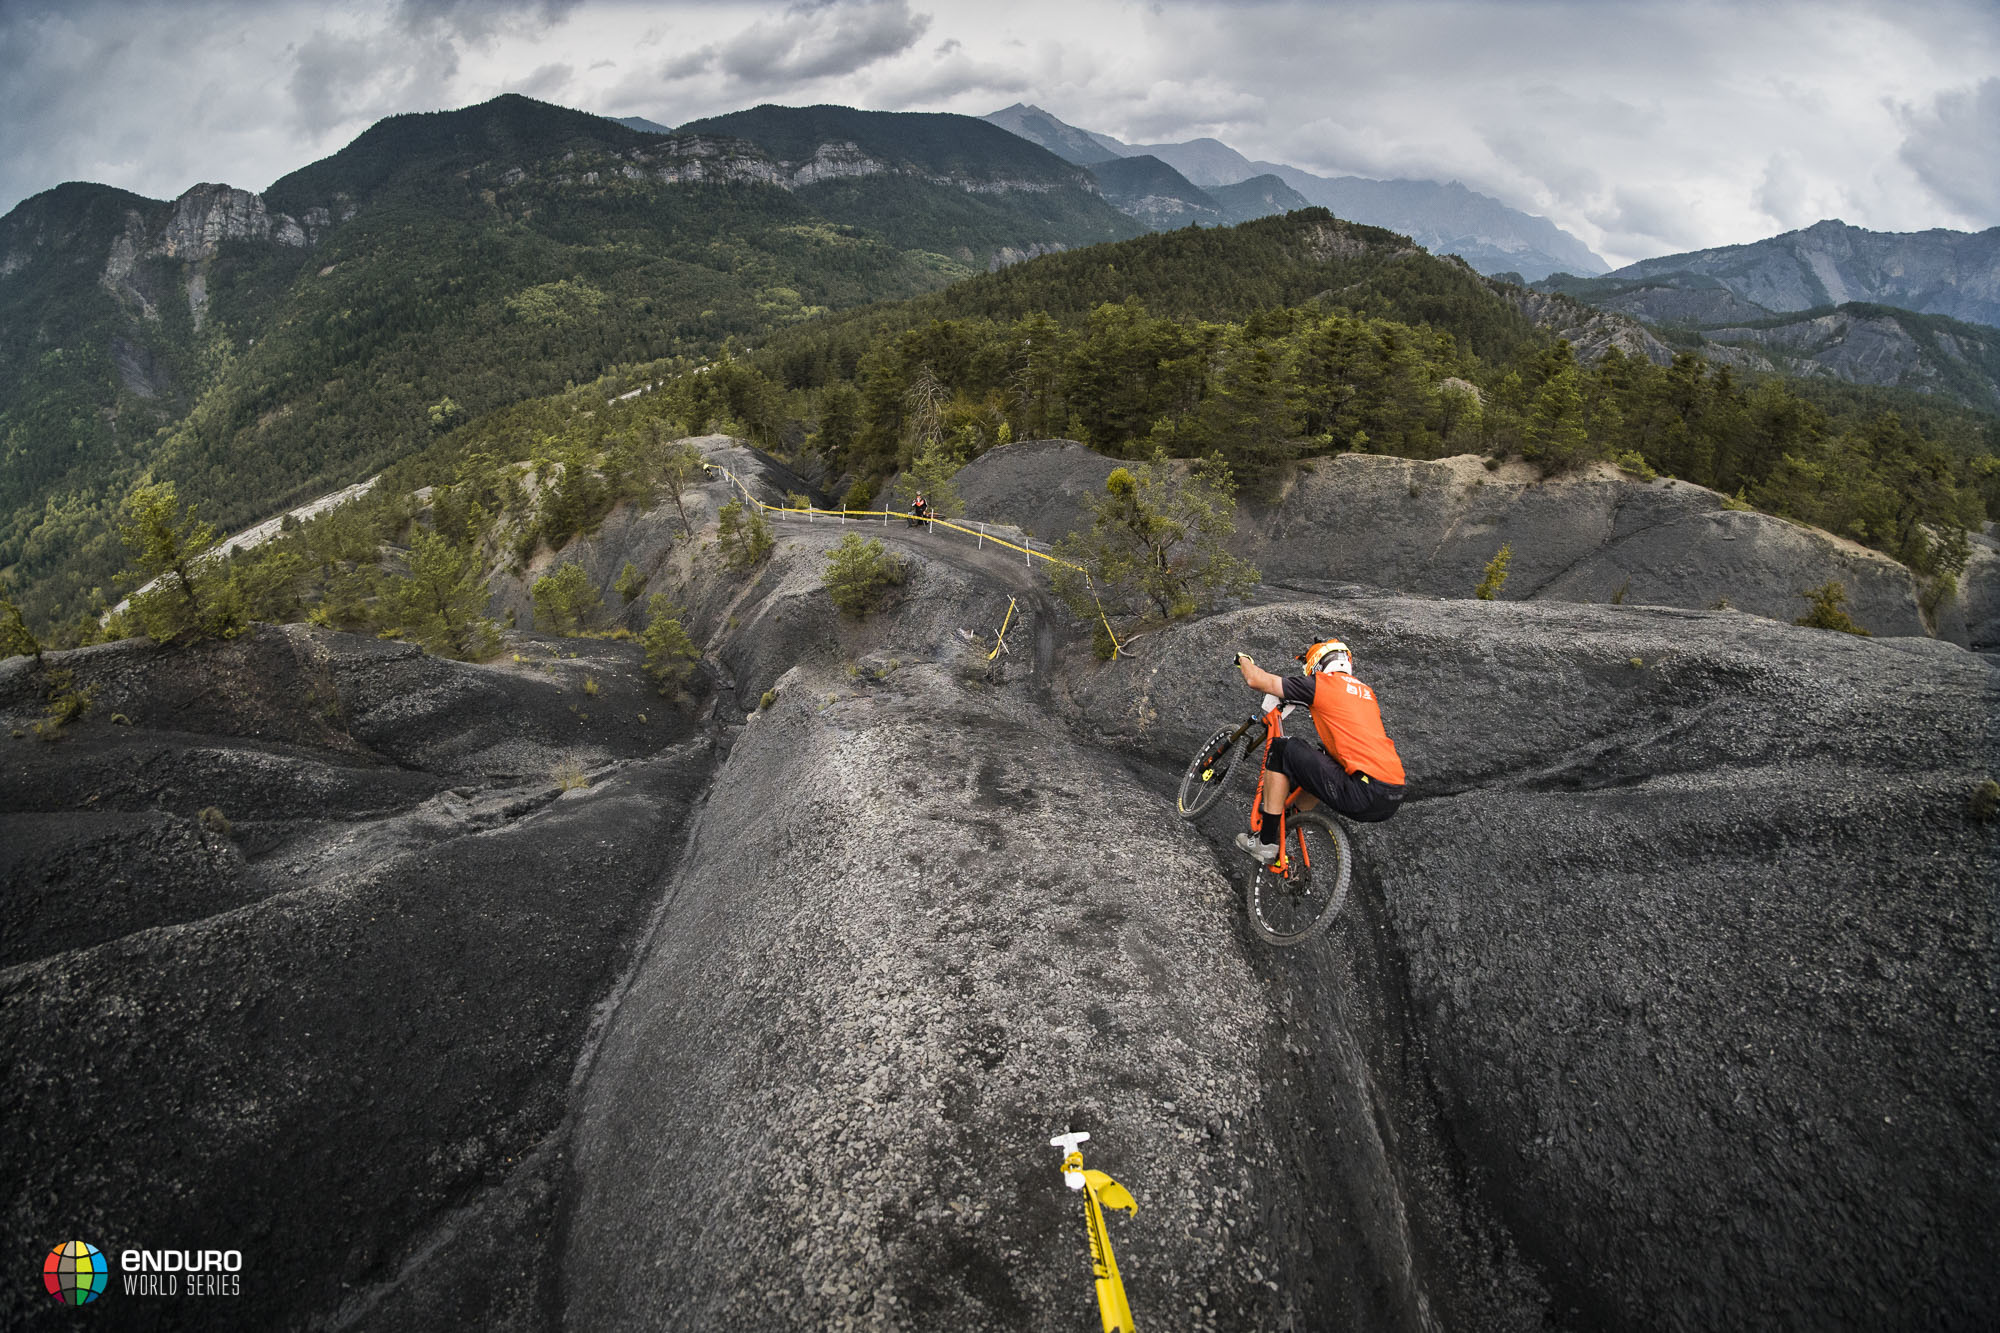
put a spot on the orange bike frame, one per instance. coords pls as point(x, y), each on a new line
point(1274, 727)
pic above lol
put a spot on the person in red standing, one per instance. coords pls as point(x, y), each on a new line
point(1358, 772)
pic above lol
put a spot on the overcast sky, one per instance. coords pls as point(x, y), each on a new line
point(1643, 128)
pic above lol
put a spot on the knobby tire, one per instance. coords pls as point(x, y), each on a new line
point(1297, 907)
point(1198, 794)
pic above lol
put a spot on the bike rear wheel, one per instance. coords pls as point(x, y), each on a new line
point(1208, 774)
point(1299, 904)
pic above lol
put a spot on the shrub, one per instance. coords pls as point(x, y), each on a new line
point(860, 573)
point(1938, 593)
point(1985, 802)
point(1495, 577)
point(565, 603)
point(1631, 460)
point(1828, 604)
point(630, 582)
point(213, 820)
point(744, 535)
point(66, 703)
point(568, 774)
point(16, 639)
point(770, 697)
point(670, 653)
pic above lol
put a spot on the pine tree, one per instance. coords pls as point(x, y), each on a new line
point(565, 601)
point(16, 639)
point(670, 653)
point(1157, 538)
point(190, 597)
point(1556, 437)
point(442, 603)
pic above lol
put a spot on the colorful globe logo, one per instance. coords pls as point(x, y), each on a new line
point(75, 1272)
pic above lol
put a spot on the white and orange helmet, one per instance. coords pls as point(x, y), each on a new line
point(1328, 655)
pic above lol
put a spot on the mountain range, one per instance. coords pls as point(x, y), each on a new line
point(1444, 218)
point(260, 348)
point(1914, 310)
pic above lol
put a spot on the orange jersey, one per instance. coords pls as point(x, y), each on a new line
point(1349, 723)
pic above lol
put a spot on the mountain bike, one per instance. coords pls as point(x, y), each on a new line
point(1297, 896)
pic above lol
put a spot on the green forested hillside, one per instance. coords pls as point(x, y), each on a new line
point(926, 384)
point(923, 141)
point(463, 260)
point(1300, 335)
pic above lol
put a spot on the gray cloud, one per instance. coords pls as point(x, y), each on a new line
point(1955, 150)
point(546, 83)
point(1636, 124)
point(821, 41)
point(479, 20)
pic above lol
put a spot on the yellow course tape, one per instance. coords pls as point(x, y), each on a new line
point(885, 515)
point(1099, 1192)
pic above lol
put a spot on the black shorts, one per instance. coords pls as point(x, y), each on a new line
point(1355, 795)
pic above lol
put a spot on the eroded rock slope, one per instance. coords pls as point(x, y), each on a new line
point(1668, 1001)
point(1430, 527)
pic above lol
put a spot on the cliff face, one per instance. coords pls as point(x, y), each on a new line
point(1591, 331)
point(1870, 345)
point(192, 231)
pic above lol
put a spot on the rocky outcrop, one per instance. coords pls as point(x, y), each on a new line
point(1432, 527)
point(192, 231)
point(1869, 345)
point(1009, 254)
point(1695, 932)
point(1592, 332)
point(208, 215)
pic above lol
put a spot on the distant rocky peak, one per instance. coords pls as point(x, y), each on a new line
point(208, 215)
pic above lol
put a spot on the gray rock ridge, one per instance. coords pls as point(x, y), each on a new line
point(1431, 527)
point(1830, 263)
point(192, 230)
point(352, 1010)
point(1639, 845)
point(1868, 345)
point(682, 158)
point(771, 1023)
point(1591, 331)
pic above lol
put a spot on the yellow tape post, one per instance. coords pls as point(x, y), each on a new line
point(1000, 640)
point(1099, 1192)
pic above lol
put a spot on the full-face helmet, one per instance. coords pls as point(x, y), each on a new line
point(1328, 655)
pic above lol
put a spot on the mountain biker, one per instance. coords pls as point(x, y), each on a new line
point(1359, 772)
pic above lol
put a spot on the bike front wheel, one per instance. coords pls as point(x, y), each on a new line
point(1298, 903)
point(1208, 775)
